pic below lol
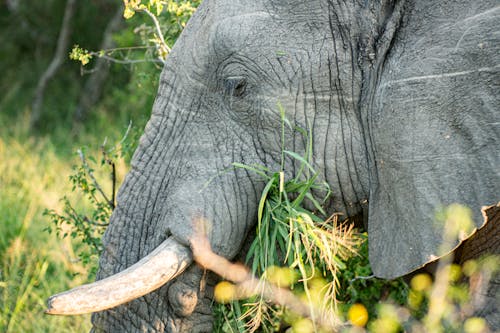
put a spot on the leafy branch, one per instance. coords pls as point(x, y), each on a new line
point(132, 6)
point(178, 13)
point(89, 226)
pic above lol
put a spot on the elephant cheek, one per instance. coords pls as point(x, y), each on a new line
point(220, 212)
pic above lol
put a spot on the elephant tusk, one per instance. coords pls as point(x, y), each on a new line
point(167, 261)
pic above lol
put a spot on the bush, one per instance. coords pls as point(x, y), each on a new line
point(87, 180)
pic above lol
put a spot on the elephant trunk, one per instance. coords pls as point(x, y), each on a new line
point(159, 267)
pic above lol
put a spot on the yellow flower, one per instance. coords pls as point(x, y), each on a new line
point(415, 299)
point(421, 282)
point(385, 324)
point(128, 13)
point(455, 272)
point(470, 267)
point(387, 321)
point(303, 325)
point(224, 292)
point(475, 325)
point(358, 315)
point(172, 7)
point(281, 276)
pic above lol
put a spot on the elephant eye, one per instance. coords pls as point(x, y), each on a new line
point(235, 86)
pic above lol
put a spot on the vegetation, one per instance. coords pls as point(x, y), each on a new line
point(322, 261)
point(101, 198)
point(33, 264)
point(36, 163)
point(312, 249)
point(442, 304)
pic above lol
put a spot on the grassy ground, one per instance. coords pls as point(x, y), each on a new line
point(33, 263)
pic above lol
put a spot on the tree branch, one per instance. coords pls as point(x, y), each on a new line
point(125, 61)
point(159, 33)
point(59, 56)
point(94, 181)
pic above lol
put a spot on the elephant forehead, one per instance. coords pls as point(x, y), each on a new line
point(254, 31)
point(305, 10)
point(240, 31)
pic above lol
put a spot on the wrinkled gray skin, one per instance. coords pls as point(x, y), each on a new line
point(402, 99)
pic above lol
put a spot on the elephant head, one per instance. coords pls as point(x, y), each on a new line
point(401, 99)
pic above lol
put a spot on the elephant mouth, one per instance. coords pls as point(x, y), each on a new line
point(165, 263)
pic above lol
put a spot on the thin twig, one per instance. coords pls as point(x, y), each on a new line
point(91, 175)
point(126, 61)
point(158, 30)
point(110, 162)
point(76, 216)
point(86, 219)
point(113, 182)
point(362, 278)
point(129, 127)
point(125, 48)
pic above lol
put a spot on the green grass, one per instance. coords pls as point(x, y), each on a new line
point(34, 167)
point(33, 263)
point(294, 247)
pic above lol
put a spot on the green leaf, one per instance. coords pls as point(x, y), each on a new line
point(263, 197)
point(301, 159)
point(255, 169)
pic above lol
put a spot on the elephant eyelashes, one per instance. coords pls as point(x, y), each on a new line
point(235, 86)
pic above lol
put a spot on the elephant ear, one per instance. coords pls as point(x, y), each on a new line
point(434, 127)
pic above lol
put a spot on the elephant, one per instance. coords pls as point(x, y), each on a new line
point(400, 97)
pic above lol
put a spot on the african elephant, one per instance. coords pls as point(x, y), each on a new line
point(401, 98)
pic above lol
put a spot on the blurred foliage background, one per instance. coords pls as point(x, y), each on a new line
point(81, 107)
